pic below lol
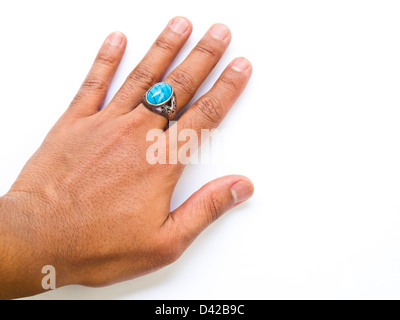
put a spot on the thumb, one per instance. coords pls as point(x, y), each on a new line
point(209, 203)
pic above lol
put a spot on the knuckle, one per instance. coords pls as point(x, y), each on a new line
point(168, 252)
point(106, 60)
point(206, 50)
point(183, 81)
point(95, 84)
point(209, 108)
point(214, 208)
point(230, 84)
point(142, 76)
point(163, 44)
point(125, 93)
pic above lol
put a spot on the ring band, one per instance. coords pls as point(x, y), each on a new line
point(161, 100)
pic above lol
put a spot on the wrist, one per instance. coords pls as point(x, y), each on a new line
point(20, 253)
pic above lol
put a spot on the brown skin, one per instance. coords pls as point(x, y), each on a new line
point(88, 202)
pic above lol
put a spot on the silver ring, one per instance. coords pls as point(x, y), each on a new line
point(161, 100)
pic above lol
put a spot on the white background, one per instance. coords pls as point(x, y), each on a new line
point(317, 131)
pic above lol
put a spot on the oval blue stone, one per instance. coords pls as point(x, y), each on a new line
point(159, 93)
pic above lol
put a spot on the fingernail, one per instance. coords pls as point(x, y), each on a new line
point(219, 32)
point(241, 191)
point(179, 25)
point(116, 39)
point(241, 64)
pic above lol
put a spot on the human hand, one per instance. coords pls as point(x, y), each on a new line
point(88, 202)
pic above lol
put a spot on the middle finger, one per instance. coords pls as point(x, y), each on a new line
point(191, 73)
point(152, 67)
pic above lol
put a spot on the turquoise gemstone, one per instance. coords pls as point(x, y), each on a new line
point(159, 93)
